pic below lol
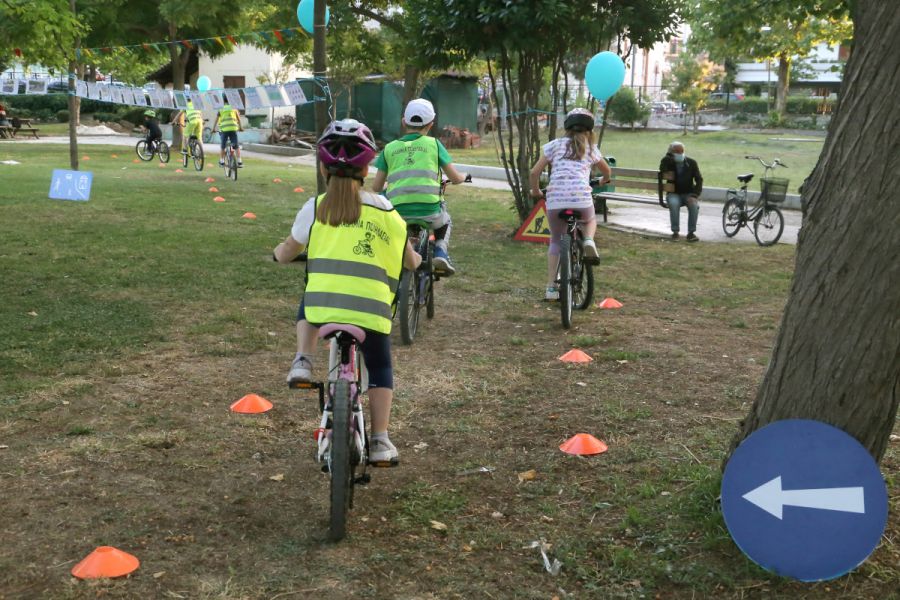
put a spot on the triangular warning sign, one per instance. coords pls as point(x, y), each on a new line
point(535, 228)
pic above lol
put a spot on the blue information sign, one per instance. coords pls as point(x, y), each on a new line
point(71, 185)
point(804, 499)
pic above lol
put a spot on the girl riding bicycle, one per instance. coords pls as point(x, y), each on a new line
point(572, 158)
point(347, 286)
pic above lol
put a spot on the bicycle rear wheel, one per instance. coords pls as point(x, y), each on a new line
point(340, 465)
point(429, 284)
point(408, 305)
point(163, 151)
point(582, 279)
point(185, 156)
point(731, 217)
point(565, 280)
point(143, 152)
point(232, 165)
point(197, 152)
point(768, 225)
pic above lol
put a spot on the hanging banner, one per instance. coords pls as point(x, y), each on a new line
point(154, 98)
point(234, 99)
point(81, 89)
point(140, 98)
point(295, 93)
point(128, 96)
point(92, 92)
point(115, 94)
point(215, 99)
point(9, 87)
point(165, 99)
point(104, 92)
point(36, 86)
point(180, 101)
point(275, 95)
point(254, 100)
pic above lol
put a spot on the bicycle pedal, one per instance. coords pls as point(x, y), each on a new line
point(304, 385)
point(363, 479)
point(385, 464)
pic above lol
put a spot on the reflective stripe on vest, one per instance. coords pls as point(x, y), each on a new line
point(194, 116)
point(414, 171)
point(227, 122)
point(353, 271)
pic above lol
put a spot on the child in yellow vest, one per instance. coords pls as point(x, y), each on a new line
point(356, 245)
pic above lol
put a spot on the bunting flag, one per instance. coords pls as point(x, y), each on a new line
point(271, 37)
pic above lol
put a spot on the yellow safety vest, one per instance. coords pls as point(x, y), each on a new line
point(353, 271)
point(227, 120)
point(414, 171)
point(193, 115)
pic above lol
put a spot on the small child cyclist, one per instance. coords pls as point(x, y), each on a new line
point(343, 286)
point(151, 123)
point(572, 158)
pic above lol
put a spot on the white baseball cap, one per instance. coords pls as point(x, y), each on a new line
point(418, 113)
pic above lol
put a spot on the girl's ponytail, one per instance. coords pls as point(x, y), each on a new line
point(580, 143)
point(341, 204)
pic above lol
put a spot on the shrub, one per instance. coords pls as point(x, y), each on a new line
point(624, 108)
point(62, 116)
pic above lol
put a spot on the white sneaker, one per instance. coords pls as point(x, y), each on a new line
point(551, 294)
point(301, 370)
point(591, 256)
point(382, 452)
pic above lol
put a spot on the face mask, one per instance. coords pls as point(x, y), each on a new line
point(679, 157)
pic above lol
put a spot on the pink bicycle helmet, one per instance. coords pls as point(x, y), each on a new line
point(346, 148)
point(579, 119)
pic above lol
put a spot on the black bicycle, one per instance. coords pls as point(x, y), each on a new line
point(146, 150)
point(768, 222)
point(417, 287)
point(575, 276)
point(193, 153)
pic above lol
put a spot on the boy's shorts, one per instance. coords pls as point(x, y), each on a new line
point(227, 136)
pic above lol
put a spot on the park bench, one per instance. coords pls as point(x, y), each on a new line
point(637, 179)
point(6, 132)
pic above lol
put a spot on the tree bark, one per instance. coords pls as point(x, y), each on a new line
point(179, 57)
point(410, 83)
point(319, 73)
point(837, 352)
point(784, 81)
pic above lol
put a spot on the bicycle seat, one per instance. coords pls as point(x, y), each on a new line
point(570, 212)
point(745, 178)
point(332, 329)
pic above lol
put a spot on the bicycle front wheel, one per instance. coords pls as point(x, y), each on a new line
point(582, 280)
point(731, 217)
point(565, 280)
point(163, 151)
point(232, 165)
point(143, 152)
point(768, 225)
point(197, 152)
point(408, 306)
point(339, 466)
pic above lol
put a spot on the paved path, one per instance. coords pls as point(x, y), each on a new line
point(643, 218)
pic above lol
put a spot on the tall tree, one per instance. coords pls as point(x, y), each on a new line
point(837, 354)
point(769, 30)
point(692, 78)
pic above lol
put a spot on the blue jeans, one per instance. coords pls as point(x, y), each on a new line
point(676, 201)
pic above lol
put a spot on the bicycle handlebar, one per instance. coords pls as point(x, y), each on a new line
point(775, 163)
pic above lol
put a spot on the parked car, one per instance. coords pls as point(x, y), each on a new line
point(732, 97)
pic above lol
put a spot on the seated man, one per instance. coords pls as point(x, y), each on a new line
point(685, 174)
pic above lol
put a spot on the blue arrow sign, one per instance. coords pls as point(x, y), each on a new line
point(804, 499)
point(71, 185)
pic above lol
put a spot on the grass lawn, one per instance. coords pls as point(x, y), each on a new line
point(720, 154)
point(129, 323)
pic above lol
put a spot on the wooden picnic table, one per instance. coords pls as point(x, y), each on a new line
point(24, 124)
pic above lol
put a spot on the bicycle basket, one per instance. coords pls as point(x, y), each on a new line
point(774, 189)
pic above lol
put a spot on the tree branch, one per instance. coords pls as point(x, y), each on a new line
point(380, 19)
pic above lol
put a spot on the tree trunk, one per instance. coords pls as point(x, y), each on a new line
point(784, 81)
point(410, 83)
point(73, 102)
point(179, 58)
point(837, 352)
point(319, 72)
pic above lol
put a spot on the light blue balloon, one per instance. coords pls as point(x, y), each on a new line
point(604, 75)
point(305, 11)
point(203, 83)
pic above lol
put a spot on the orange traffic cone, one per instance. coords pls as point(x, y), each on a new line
point(209, 180)
point(179, 171)
point(276, 180)
point(162, 165)
point(105, 561)
point(251, 404)
point(114, 156)
point(248, 215)
point(298, 189)
point(583, 444)
point(214, 189)
point(218, 199)
point(85, 157)
point(136, 160)
point(610, 303)
point(575, 356)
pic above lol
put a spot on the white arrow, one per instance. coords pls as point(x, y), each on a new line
point(772, 499)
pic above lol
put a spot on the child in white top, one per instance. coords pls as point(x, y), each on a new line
point(572, 159)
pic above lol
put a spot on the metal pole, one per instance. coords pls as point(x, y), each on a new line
point(319, 72)
point(73, 101)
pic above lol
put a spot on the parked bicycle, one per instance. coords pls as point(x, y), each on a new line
point(194, 153)
point(146, 150)
point(417, 287)
point(342, 440)
point(575, 276)
point(207, 132)
point(766, 217)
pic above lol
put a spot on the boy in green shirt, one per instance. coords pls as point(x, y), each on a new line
point(411, 167)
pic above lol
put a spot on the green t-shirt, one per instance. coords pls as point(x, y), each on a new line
point(408, 211)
